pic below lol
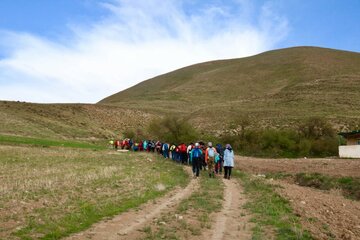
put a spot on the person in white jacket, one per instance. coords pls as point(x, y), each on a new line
point(228, 161)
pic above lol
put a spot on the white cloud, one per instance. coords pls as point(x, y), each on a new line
point(136, 41)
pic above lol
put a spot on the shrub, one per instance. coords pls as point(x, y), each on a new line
point(172, 129)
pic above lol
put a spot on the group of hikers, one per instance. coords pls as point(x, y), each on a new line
point(199, 155)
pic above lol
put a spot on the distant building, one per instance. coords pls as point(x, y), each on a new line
point(352, 148)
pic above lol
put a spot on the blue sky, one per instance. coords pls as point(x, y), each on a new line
point(85, 50)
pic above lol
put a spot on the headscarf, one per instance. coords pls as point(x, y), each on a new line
point(228, 146)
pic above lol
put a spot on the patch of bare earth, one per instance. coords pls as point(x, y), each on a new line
point(327, 166)
point(325, 214)
point(128, 224)
point(232, 222)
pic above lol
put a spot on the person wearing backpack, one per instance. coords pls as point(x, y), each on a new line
point(196, 159)
point(172, 151)
point(228, 161)
point(220, 150)
point(145, 145)
point(210, 159)
point(182, 152)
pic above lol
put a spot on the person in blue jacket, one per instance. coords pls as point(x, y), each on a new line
point(228, 161)
point(196, 154)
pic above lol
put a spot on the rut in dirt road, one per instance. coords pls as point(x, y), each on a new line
point(125, 224)
point(231, 222)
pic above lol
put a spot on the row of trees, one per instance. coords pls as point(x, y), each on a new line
point(314, 138)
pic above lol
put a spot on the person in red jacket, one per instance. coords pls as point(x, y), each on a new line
point(183, 154)
point(116, 144)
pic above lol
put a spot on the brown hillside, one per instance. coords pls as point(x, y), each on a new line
point(276, 88)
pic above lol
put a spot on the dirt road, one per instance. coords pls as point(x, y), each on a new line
point(232, 222)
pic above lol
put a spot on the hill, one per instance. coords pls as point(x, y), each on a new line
point(277, 88)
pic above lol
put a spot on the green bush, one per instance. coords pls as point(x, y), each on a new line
point(173, 130)
point(315, 138)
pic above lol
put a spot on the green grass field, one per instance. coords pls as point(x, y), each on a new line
point(49, 193)
point(17, 140)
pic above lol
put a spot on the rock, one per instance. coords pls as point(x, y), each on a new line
point(303, 202)
point(162, 223)
point(122, 233)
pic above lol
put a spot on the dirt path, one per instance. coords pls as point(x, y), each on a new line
point(232, 222)
point(326, 215)
point(125, 224)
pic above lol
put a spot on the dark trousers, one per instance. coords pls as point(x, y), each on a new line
point(196, 162)
point(227, 172)
point(183, 157)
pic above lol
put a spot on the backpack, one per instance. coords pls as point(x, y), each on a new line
point(217, 158)
point(196, 153)
point(211, 152)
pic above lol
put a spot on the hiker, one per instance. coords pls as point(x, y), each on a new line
point(202, 161)
point(220, 150)
point(165, 150)
point(151, 146)
point(228, 161)
point(188, 150)
point(141, 146)
point(116, 144)
point(196, 153)
point(158, 147)
point(135, 147)
point(183, 153)
point(217, 162)
point(111, 144)
point(145, 145)
point(210, 159)
point(177, 154)
point(172, 151)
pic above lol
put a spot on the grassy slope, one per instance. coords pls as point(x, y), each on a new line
point(66, 121)
point(278, 88)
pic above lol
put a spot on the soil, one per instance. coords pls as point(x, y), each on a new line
point(232, 222)
point(327, 166)
point(327, 215)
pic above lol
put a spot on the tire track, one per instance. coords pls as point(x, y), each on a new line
point(231, 222)
point(121, 226)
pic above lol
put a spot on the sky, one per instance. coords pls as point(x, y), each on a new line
point(81, 51)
